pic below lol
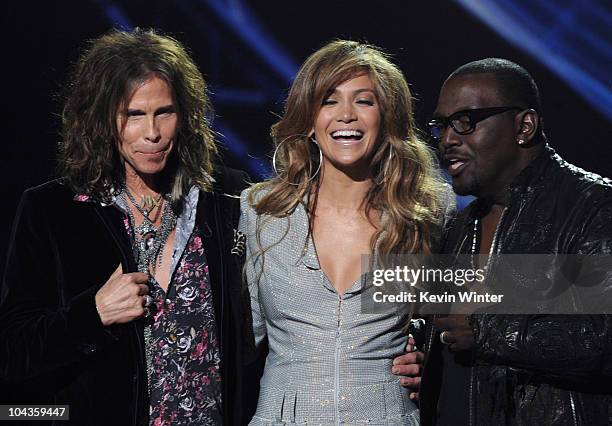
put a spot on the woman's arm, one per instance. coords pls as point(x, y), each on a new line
point(247, 226)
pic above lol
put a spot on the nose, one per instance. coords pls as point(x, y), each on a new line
point(347, 113)
point(152, 132)
point(448, 139)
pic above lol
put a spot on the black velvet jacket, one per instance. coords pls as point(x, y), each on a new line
point(538, 369)
point(53, 345)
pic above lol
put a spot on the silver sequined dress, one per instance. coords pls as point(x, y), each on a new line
point(328, 363)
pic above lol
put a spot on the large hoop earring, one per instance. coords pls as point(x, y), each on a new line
point(313, 140)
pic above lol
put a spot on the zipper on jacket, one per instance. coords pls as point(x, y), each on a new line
point(471, 398)
point(429, 342)
point(493, 249)
point(573, 405)
point(337, 361)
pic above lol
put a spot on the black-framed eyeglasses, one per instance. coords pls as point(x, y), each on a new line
point(464, 122)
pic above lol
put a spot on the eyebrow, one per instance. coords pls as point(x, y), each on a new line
point(160, 110)
point(436, 114)
point(355, 92)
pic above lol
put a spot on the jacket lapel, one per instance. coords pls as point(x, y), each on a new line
point(207, 220)
point(112, 219)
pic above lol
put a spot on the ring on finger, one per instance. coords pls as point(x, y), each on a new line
point(443, 340)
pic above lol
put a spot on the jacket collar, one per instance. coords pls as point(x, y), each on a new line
point(527, 182)
point(115, 222)
point(531, 177)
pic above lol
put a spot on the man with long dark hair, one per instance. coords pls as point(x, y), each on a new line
point(122, 290)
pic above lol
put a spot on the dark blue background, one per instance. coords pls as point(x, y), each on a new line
point(249, 67)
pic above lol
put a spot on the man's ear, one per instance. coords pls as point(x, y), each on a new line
point(528, 123)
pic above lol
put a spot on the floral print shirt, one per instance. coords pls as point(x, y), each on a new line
point(185, 384)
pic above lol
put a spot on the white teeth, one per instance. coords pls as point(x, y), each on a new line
point(347, 133)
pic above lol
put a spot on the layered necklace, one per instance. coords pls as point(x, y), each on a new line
point(149, 240)
point(149, 243)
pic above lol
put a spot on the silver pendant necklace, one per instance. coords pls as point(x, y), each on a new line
point(149, 240)
point(149, 243)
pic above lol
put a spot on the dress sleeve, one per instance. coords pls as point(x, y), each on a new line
point(248, 221)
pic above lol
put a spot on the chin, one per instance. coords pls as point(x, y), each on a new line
point(463, 188)
point(151, 169)
point(350, 162)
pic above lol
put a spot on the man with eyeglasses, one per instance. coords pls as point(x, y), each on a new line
point(516, 369)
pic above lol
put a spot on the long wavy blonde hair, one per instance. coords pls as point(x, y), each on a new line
point(407, 186)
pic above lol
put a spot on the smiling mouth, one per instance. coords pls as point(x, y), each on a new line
point(153, 153)
point(347, 136)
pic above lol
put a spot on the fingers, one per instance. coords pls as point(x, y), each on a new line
point(147, 301)
point(143, 289)
point(137, 308)
point(137, 312)
point(459, 338)
point(415, 357)
point(412, 383)
point(138, 277)
point(411, 345)
point(123, 297)
point(448, 337)
point(410, 364)
point(464, 341)
point(410, 367)
point(119, 280)
point(407, 370)
point(117, 271)
point(459, 346)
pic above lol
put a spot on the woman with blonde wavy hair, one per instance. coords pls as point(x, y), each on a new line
point(352, 178)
